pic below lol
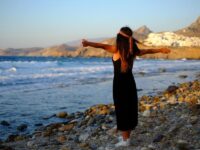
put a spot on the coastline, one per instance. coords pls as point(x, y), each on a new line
point(176, 53)
point(164, 120)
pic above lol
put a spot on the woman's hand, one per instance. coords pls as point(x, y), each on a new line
point(85, 43)
point(165, 50)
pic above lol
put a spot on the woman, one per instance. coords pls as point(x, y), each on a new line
point(124, 87)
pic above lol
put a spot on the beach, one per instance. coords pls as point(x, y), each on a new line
point(34, 89)
point(169, 120)
point(168, 104)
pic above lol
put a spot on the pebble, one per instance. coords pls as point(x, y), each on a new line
point(183, 76)
point(61, 139)
point(22, 127)
point(146, 113)
point(30, 143)
point(172, 89)
point(5, 123)
point(163, 119)
point(83, 137)
point(62, 114)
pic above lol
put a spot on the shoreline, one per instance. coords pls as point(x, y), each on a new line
point(177, 53)
point(160, 117)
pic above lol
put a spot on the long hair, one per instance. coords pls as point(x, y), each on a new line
point(127, 54)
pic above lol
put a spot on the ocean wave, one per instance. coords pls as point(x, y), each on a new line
point(85, 69)
point(12, 69)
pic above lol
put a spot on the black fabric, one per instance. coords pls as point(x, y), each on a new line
point(125, 98)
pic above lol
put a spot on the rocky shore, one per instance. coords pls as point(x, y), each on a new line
point(167, 121)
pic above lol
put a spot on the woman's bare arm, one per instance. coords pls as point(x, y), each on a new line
point(153, 51)
point(107, 47)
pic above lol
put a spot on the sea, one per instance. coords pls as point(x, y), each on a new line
point(32, 89)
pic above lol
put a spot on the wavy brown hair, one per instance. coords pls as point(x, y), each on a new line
point(126, 55)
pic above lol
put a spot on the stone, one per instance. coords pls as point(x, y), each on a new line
point(193, 119)
point(62, 114)
point(61, 139)
point(11, 138)
point(172, 99)
point(162, 70)
point(66, 127)
point(47, 133)
point(182, 145)
point(19, 138)
point(38, 124)
point(146, 113)
point(83, 137)
point(158, 138)
point(183, 76)
point(145, 148)
point(172, 89)
point(30, 143)
point(84, 145)
point(65, 148)
point(4, 147)
point(22, 127)
point(4, 123)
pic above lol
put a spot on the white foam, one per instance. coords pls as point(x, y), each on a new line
point(13, 69)
point(184, 59)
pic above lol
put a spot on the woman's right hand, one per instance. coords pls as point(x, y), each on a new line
point(165, 50)
point(85, 43)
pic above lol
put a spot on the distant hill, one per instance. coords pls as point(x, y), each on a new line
point(178, 39)
point(192, 30)
point(141, 33)
point(58, 50)
point(18, 51)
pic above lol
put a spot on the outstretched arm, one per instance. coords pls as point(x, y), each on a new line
point(107, 47)
point(152, 51)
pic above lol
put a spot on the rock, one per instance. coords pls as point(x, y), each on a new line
point(84, 145)
point(4, 123)
point(47, 133)
point(172, 89)
point(145, 148)
point(83, 137)
point(38, 124)
point(65, 148)
point(11, 138)
point(22, 127)
point(61, 139)
point(183, 76)
point(182, 145)
point(19, 138)
point(66, 127)
point(146, 113)
point(4, 147)
point(30, 143)
point(162, 70)
point(158, 138)
point(61, 114)
point(142, 73)
point(172, 100)
point(193, 119)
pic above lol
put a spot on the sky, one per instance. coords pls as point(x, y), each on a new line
point(43, 23)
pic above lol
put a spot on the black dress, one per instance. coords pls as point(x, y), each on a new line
point(125, 98)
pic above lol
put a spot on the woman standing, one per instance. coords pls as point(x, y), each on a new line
point(124, 87)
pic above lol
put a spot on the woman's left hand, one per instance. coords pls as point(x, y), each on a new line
point(85, 43)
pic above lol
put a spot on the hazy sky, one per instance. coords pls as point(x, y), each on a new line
point(42, 23)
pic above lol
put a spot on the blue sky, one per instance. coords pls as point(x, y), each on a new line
point(42, 23)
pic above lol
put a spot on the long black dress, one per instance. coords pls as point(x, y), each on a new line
point(125, 98)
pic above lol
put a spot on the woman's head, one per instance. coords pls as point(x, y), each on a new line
point(125, 43)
